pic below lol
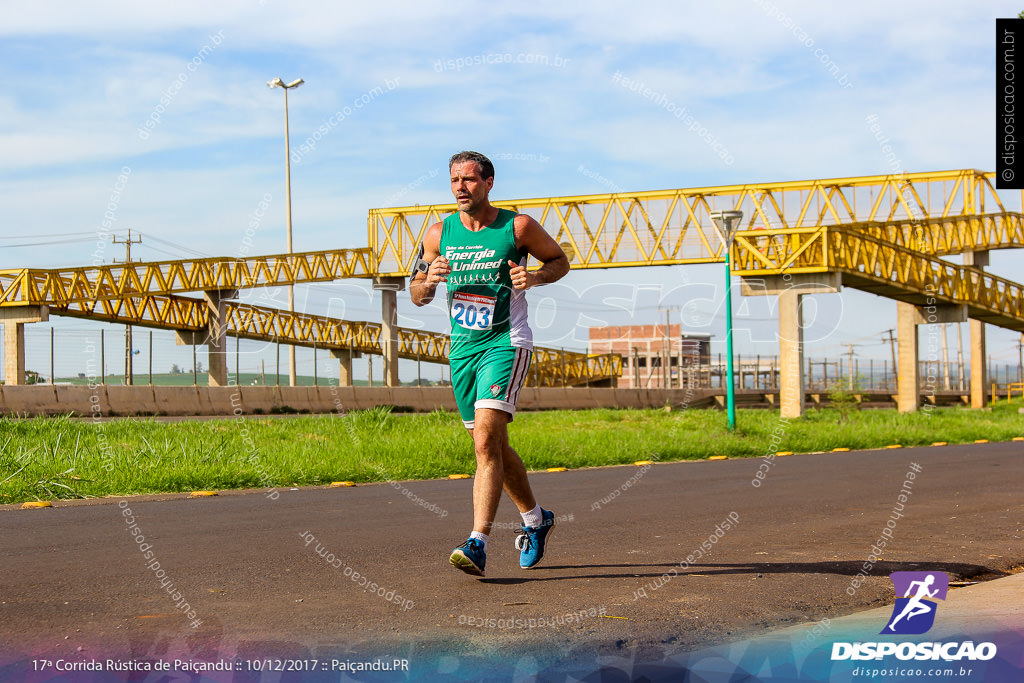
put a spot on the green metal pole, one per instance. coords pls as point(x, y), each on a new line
point(730, 391)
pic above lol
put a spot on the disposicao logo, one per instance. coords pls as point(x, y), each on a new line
point(914, 614)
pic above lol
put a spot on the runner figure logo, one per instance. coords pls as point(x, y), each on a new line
point(495, 390)
point(914, 613)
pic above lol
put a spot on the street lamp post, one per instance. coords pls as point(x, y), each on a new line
point(726, 223)
point(278, 83)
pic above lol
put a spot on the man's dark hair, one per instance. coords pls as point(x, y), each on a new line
point(486, 167)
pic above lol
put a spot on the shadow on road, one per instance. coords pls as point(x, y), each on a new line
point(841, 568)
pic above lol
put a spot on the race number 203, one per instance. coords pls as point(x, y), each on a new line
point(473, 311)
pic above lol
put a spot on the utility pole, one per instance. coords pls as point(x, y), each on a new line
point(960, 355)
point(128, 375)
point(849, 369)
point(1020, 358)
point(666, 363)
point(945, 357)
point(892, 348)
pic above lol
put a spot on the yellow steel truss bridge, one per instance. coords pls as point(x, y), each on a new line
point(875, 265)
point(936, 213)
point(109, 283)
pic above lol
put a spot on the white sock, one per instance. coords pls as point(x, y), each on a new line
point(480, 537)
point(533, 518)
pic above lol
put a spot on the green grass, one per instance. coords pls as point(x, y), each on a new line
point(51, 458)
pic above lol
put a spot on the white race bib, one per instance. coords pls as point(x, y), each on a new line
point(473, 311)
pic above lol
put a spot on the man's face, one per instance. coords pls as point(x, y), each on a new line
point(468, 186)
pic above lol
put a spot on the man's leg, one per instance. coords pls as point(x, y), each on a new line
point(471, 556)
point(499, 375)
point(517, 486)
point(498, 467)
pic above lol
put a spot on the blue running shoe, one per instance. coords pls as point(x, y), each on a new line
point(470, 557)
point(530, 541)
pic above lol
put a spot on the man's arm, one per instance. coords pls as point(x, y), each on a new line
point(423, 285)
point(539, 244)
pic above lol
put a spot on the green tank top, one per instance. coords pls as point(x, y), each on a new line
point(485, 310)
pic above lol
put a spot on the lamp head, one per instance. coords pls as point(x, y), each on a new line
point(726, 223)
point(278, 83)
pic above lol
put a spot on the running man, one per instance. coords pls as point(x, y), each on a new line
point(916, 606)
point(480, 252)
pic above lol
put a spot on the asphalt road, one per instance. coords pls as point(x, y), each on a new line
point(77, 583)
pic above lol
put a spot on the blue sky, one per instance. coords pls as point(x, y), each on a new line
point(532, 85)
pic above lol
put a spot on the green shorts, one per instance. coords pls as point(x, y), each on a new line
point(489, 379)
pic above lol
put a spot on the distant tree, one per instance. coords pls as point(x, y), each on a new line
point(845, 398)
point(175, 370)
point(32, 377)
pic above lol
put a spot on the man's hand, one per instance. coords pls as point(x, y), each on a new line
point(438, 271)
point(520, 278)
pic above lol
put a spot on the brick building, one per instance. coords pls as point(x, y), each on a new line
point(652, 359)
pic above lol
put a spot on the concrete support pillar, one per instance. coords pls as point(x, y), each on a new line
point(979, 363)
point(908, 381)
point(345, 357)
point(14, 319)
point(908, 375)
point(791, 354)
point(790, 290)
point(14, 353)
point(216, 339)
point(389, 287)
point(214, 336)
point(936, 314)
point(979, 369)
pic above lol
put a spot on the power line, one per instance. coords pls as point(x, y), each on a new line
point(50, 242)
point(187, 250)
point(52, 234)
